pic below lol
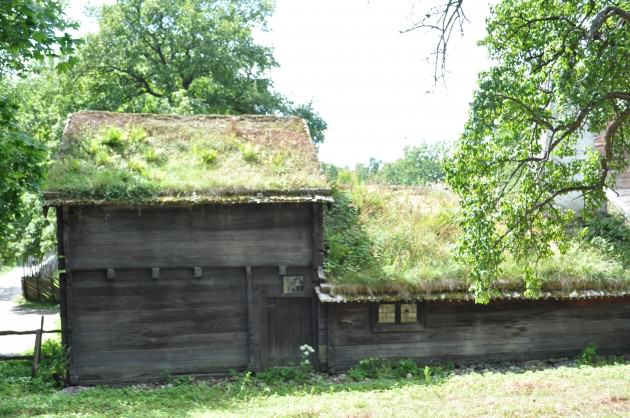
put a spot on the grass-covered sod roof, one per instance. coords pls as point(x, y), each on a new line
point(108, 156)
point(399, 243)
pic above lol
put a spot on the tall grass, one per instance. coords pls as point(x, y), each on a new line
point(411, 237)
point(131, 164)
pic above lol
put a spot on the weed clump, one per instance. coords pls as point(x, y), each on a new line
point(376, 368)
point(208, 156)
point(249, 153)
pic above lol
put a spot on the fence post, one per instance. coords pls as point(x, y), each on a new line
point(37, 351)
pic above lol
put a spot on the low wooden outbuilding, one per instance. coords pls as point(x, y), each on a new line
point(189, 244)
point(450, 328)
point(411, 299)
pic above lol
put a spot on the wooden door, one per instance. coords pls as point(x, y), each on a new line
point(290, 325)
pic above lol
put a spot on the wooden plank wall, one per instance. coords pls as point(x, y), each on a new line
point(137, 328)
point(463, 331)
point(132, 327)
point(206, 235)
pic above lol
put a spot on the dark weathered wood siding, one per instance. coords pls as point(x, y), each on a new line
point(133, 327)
point(204, 235)
point(501, 330)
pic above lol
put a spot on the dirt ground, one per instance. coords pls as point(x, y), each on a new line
point(16, 317)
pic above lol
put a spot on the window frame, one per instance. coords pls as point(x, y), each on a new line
point(293, 276)
point(397, 325)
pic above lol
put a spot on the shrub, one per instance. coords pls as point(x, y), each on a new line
point(275, 375)
point(370, 368)
point(349, 248)
point(588, 356)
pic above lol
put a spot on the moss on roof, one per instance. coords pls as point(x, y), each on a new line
point(400, 243)
point(108, 156)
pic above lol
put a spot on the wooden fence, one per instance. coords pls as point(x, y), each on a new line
point(40, 281)
point(37, 350)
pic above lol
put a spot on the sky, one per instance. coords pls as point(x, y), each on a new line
point(372, 84)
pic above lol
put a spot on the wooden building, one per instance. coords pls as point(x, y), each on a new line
point(194, 245)
point(190, 245)
point(414, 302)
point(440, 330)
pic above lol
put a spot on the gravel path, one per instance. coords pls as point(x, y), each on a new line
point(14, 317)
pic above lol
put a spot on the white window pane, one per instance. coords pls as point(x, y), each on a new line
point(408, 312)
point(387, 313)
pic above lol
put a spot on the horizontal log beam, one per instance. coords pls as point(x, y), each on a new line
point(53, 331)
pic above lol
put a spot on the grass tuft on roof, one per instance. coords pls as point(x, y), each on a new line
point(402, 240)
point(140, 157)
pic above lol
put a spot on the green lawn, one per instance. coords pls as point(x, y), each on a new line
point(568, 391)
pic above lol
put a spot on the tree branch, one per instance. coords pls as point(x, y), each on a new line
point(602, 16)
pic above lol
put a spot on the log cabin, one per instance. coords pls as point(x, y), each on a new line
point(188, 244)
point(194, 245)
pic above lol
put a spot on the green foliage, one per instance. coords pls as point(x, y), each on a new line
point(178, 159)
point(249, 153)
point(277, 375)
point(316, 124)
point(421, 165)
point(50, 374)
point(331, 171)
point(31, 233)
point(404, 239)
point(376, 368)
point(32, 30)
point(348, 246)
point(209, 156)
point(169, 70)
point(21, 169)
point(242, 394)
point(611, 235)
point(588, 356)
point(112, 137)
point(560, 69)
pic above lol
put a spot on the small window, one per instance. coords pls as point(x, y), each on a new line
point(408, 312)
point(387, 313)
point(396, 313)
point(293, 284)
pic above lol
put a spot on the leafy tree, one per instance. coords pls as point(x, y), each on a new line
point(561, 69)
point(187, 57)
point(30, 30)
point(420, 165)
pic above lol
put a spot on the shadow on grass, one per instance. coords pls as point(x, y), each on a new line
point(27, 307)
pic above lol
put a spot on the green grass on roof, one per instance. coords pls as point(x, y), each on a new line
point(138, 157)
point(384, 239)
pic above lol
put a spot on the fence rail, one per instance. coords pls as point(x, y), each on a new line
point(37, 350)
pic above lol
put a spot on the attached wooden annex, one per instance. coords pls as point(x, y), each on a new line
point(191, 245)
point(411, 299)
